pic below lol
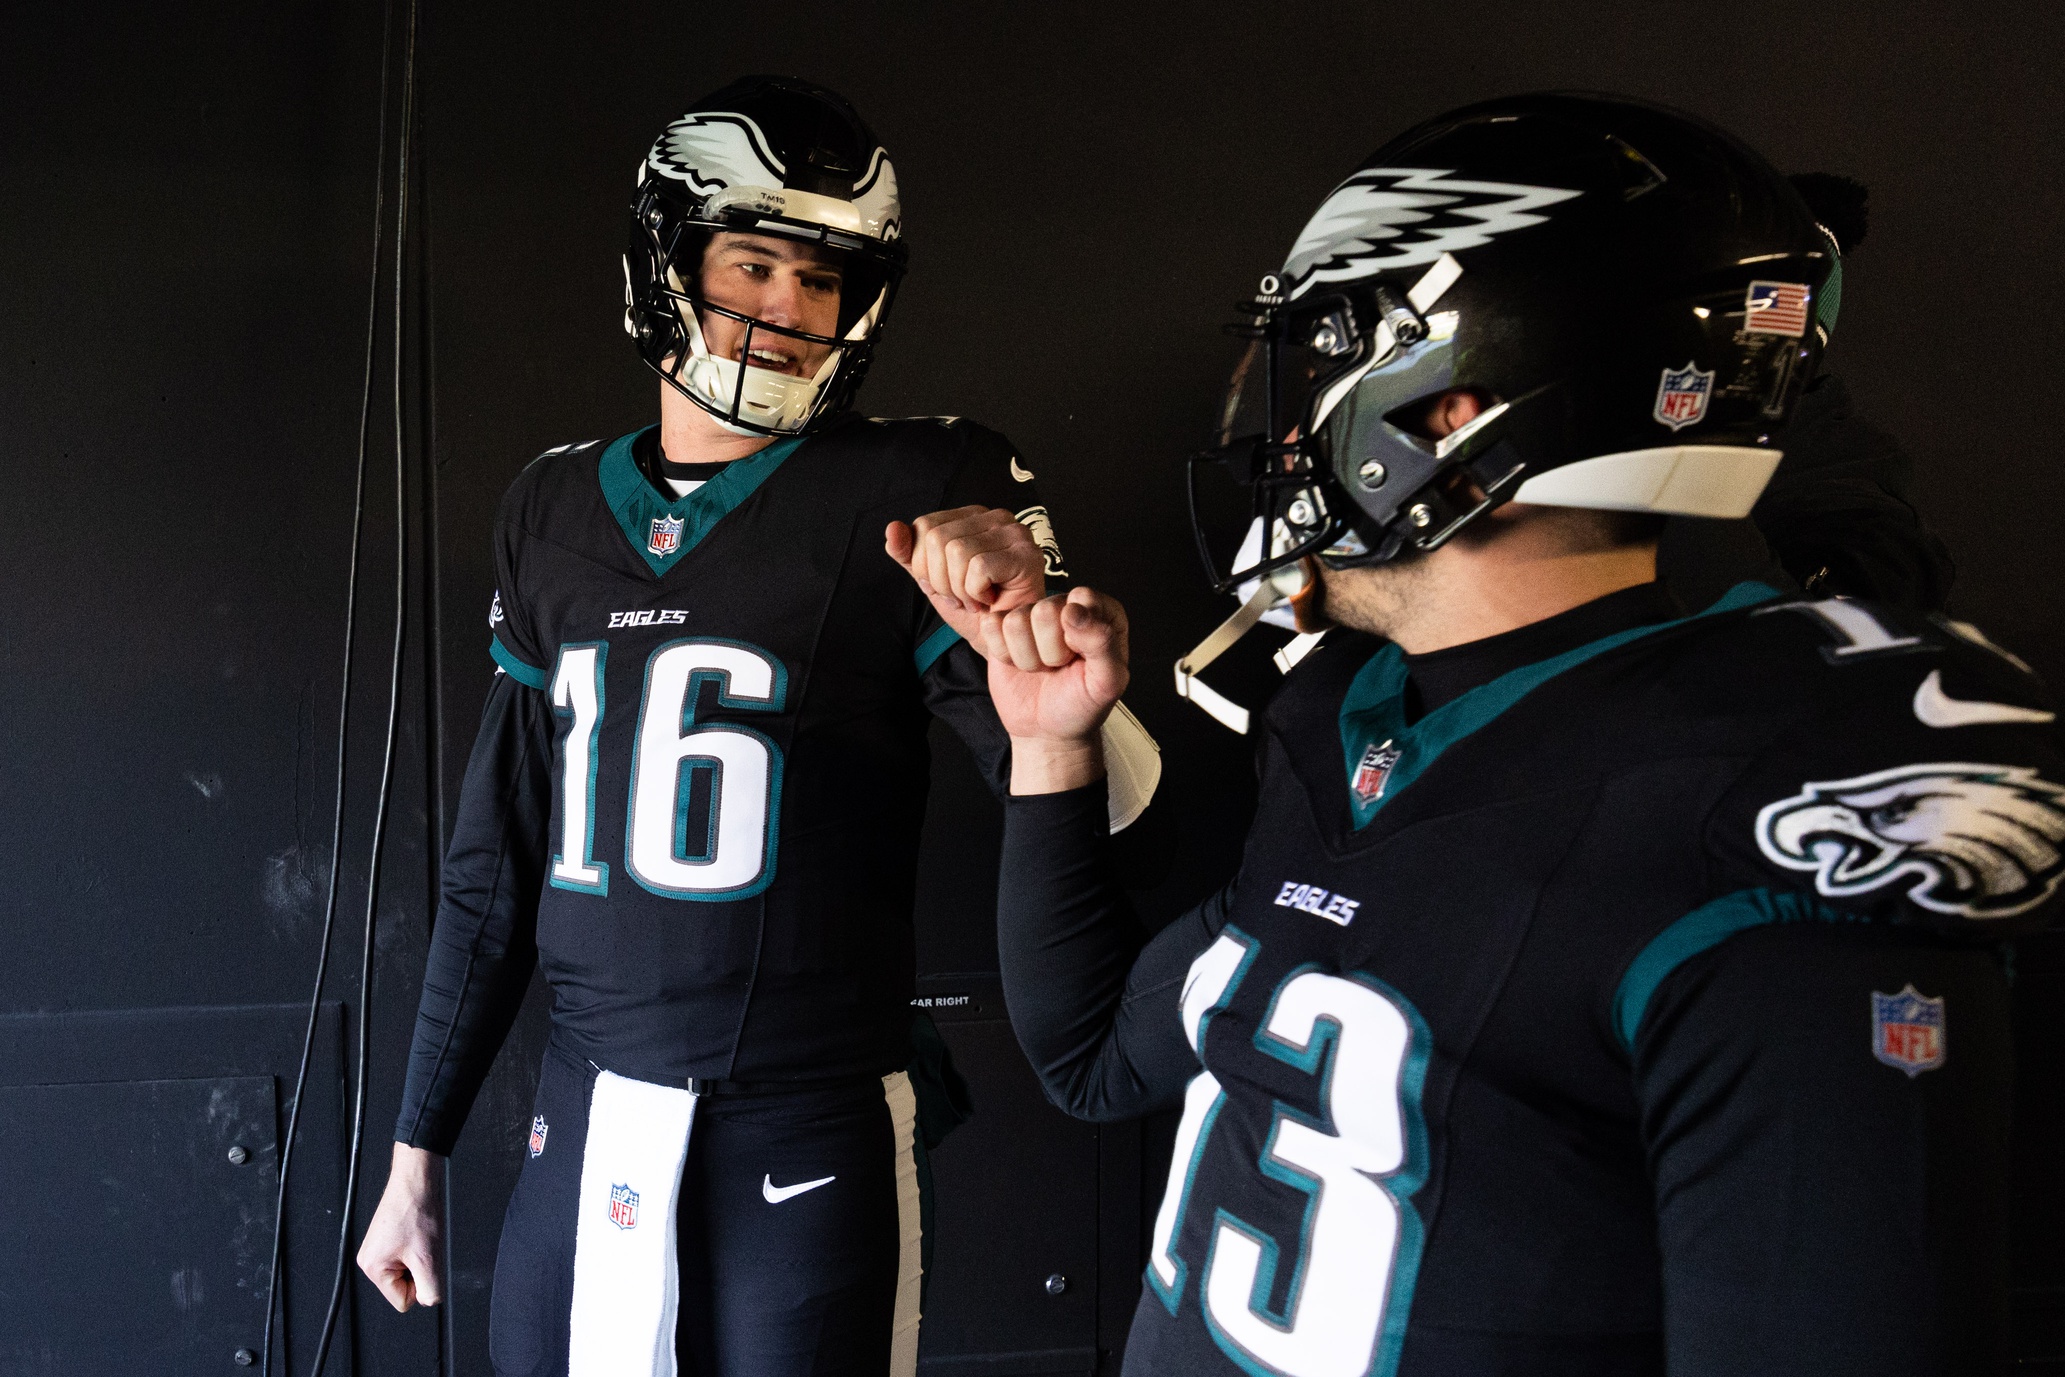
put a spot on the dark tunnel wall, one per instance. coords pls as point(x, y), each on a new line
point(185, 233)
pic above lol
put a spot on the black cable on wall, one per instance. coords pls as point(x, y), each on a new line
point(385, 791)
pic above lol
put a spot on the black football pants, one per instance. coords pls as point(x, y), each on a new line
point(774, 1281)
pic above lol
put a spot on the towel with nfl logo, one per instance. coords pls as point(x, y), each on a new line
point(627, 1281)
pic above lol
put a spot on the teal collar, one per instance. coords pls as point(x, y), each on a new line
point(644, 514)
point(1391, 755)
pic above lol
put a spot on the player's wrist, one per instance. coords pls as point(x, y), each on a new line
point(1055, 765)
point(418, 1169)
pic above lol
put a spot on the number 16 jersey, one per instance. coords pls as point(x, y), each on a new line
point(705, 763)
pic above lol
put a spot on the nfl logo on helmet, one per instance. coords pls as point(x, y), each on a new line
point(623, 1207)
point(1681, 395)
point(1907, 1030)
point(666, 535)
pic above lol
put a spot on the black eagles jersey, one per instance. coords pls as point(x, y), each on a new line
point(1643, 1008)
point(698, 787)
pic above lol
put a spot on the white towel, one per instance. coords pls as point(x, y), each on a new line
point(627, 1281)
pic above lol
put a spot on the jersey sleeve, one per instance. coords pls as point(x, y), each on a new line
point(1821, 1052)
point(483, 947)
point(991, 474)
point(1926, 789)
point(956, 688)
point(988, 474)
point(1093, 1000)
point(1825, 1109)
point(514, 640)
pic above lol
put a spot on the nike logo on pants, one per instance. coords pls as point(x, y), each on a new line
point(776, 1194)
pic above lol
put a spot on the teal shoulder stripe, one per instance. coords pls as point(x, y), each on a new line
point(1706, 927)
point(637, 506)
point(1373, 710)
point(530, 676)
point(933, 646)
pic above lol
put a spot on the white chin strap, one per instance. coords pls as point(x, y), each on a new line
point(1262, 599)
point(769, 400)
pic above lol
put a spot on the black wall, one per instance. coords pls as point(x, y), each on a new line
point(185, 251)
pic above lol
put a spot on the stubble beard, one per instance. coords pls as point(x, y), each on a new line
point(1376, 598)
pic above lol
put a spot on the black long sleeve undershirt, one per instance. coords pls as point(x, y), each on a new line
point(1092, 996)
point(484, 945)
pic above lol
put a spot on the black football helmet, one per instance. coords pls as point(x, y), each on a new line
point(770, 156)
point(1630, 292)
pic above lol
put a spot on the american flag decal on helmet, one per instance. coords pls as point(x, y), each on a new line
point(1775, 308)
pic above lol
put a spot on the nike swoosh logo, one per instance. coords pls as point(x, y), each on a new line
point(1019, 471)
point(1938, 709)
point(776, 1194)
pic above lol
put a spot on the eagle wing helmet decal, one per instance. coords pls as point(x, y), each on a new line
point(1385, 218)
point(714, 150)
point(1982, 841)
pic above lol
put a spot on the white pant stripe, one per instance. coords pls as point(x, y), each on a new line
point(910, 1261)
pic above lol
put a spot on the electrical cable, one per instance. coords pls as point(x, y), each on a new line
point(358, 514)
point(394, 693)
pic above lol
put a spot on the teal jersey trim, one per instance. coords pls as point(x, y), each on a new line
point(1706, 927)
point(934, 646)
point(530, 676)
point(637, 506)
point(1373, 711)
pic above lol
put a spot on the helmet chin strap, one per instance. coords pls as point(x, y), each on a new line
point(1297, 587)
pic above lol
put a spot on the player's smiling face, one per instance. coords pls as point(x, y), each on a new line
point(776, 280)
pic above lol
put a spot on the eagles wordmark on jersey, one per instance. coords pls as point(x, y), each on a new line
point(1652, 1015)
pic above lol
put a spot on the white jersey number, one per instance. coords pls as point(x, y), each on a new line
point(577, 693)
point(732, 855)
point(1343, 1312)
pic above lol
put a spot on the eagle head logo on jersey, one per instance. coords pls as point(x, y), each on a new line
point(1041, 527)
point(1981, 841)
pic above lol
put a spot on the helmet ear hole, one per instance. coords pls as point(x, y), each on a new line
point(1440, 414)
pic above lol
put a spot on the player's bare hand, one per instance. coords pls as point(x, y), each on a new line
point(970, 560)
point(1055, 670)
point(400, 1251)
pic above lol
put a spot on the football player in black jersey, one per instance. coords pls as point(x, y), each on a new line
point(696, 795)
point(1607, 987)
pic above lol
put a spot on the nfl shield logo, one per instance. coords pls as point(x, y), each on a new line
point(537, 1135)
point(623, 1207)
point(1907, 1030)
point(1681, 396)
point(666, 534)
point(1373, 771)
